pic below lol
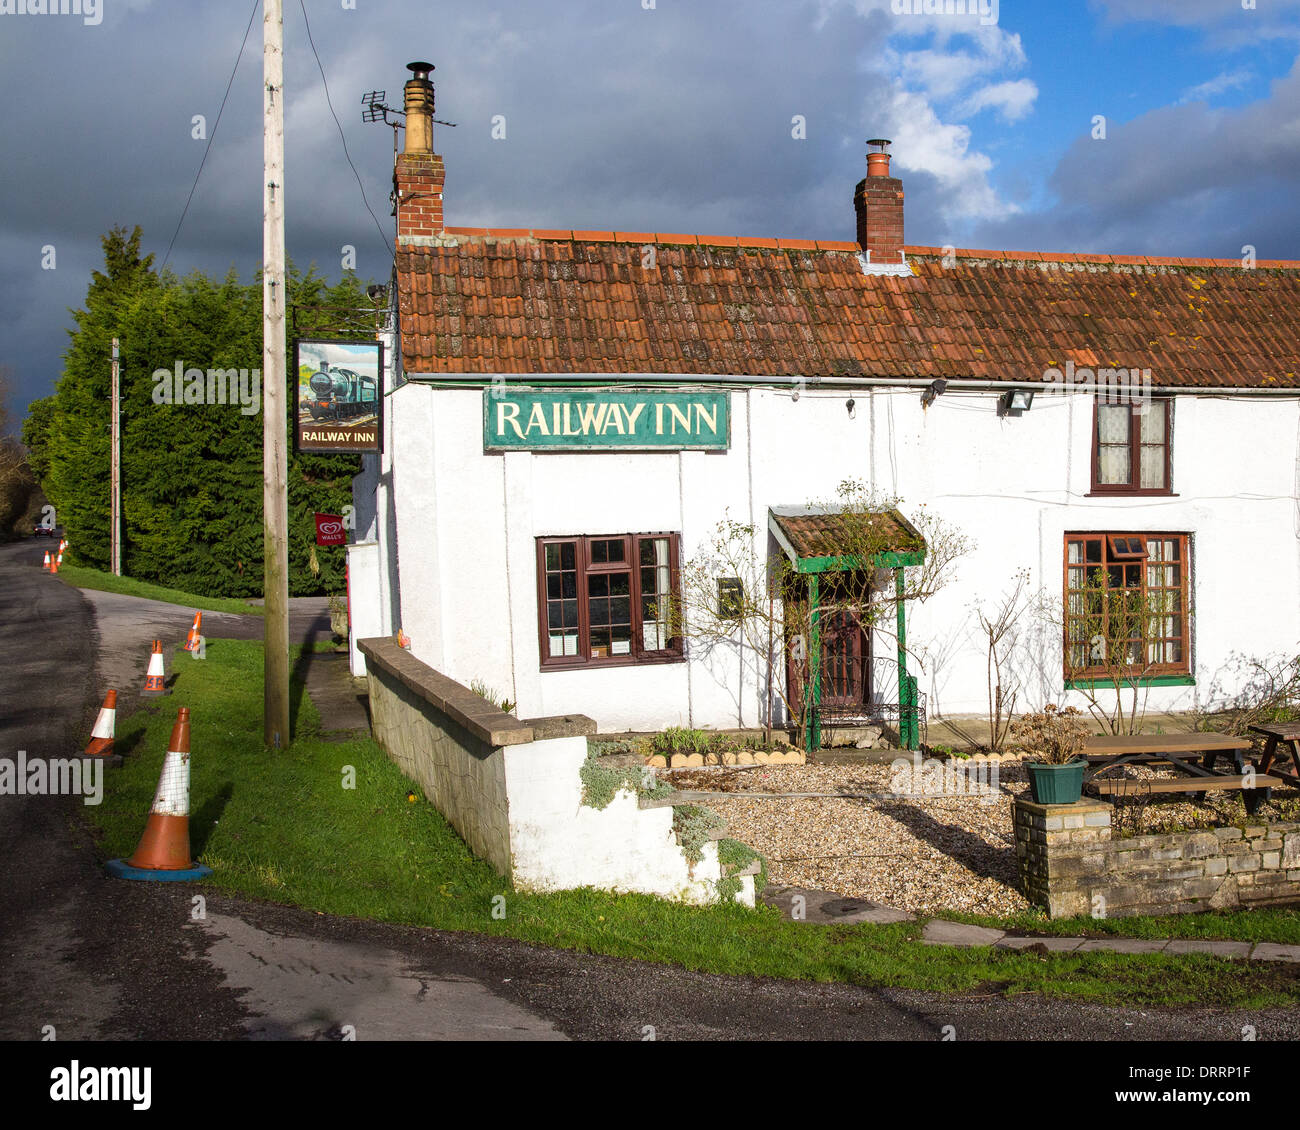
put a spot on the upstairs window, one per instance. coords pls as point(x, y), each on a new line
point(1130, 453)
point(606, 599)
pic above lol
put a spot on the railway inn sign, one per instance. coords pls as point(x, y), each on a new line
point(574, 420)
point(339, 395)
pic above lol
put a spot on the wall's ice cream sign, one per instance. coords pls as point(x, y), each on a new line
point(600, 421)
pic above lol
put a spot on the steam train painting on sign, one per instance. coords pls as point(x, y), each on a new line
point(340, 392)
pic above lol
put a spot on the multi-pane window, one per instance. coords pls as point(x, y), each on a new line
point(607, 599)
point(1126, 605)
point(1131, 447)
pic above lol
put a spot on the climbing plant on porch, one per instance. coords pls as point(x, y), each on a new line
point(771, 593)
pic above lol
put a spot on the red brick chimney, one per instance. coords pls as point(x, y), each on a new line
point(879, 203)
point(418, 175)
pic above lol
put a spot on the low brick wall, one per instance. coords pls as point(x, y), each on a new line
point(513, 789)
point(1071, 863)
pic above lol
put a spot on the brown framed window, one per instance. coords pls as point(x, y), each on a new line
point(606, 599)
point(1130, 446)
point(1126, 605)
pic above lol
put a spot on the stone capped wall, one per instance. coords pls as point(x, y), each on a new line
point(1071, 863)
point(513, 790)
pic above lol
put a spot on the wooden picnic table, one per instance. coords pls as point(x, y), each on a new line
point(1287, 736)
point(1181, 752)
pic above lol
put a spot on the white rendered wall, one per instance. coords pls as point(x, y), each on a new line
point(468, 522)
point(557, 843)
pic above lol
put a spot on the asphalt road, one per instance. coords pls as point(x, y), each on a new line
point(99, 958)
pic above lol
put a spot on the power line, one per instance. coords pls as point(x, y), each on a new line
point(208, 148)
point(378, 227)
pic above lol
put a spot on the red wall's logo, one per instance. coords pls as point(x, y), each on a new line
point(329, 530)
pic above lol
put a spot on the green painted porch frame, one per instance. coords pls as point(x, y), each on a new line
point(909, 730)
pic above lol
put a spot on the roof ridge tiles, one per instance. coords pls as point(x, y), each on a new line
point(686, 239)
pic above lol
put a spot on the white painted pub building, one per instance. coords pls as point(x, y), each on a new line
point(569, 414)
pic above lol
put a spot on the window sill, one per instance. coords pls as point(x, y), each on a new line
point(1149, 681)
point(1134, 493)
point(588, 664)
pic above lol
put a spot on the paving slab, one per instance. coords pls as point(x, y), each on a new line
point(1271, 951)
point(1056, 945)
point(338, 697)
point(941, 933)
point(1210, 946)
point(1124, 945)
point(829, 907)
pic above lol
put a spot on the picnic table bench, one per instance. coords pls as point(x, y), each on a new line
point(1287, 736)
point(1192, 755)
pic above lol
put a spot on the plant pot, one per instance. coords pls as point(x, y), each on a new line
point(1056, 784)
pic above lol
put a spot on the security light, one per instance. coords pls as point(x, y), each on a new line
point(1016, 402)
point(851, 406)
point(931, 394)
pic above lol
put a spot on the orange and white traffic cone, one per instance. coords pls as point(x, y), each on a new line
point(192, 640)
point(163, 852)
point(54, 564)
point(101, 737)
point(155, 680)
point(46, 567)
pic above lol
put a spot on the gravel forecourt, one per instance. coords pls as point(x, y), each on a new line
point(921, 852)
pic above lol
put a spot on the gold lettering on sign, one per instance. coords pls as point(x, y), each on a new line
point(591, 417)
point(632, 416)
point(683, 417)
point(537, 419)
point(701, 415)
point(508, 414)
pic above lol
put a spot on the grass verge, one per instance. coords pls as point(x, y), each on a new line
point(85, 578)
point(1259, 925)
point(283, 827)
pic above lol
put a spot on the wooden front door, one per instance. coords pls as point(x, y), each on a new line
point(845, 665)
point(845, 668)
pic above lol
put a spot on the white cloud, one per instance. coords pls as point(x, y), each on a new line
point(1229, 80)
point(1227, 21)
point(924, 144)
point(1013, 100)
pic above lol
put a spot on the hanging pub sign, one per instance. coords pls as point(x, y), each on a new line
point(339, 394)
point(580, 420)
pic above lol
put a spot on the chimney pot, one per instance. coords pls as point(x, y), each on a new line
point(878, 201)
point(418, 173)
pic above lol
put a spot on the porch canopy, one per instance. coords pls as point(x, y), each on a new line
point(829, 539)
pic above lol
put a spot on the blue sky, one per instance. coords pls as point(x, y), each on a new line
point(676, 117)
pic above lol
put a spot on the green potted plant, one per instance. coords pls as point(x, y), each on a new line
point(1054, 741)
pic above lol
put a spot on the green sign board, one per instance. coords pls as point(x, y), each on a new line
point(578, 420)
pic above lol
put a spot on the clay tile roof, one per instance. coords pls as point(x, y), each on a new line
point(545, 301)
point(831, 533)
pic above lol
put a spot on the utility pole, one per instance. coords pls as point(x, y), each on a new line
point(275, 494)
point(115, 460)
